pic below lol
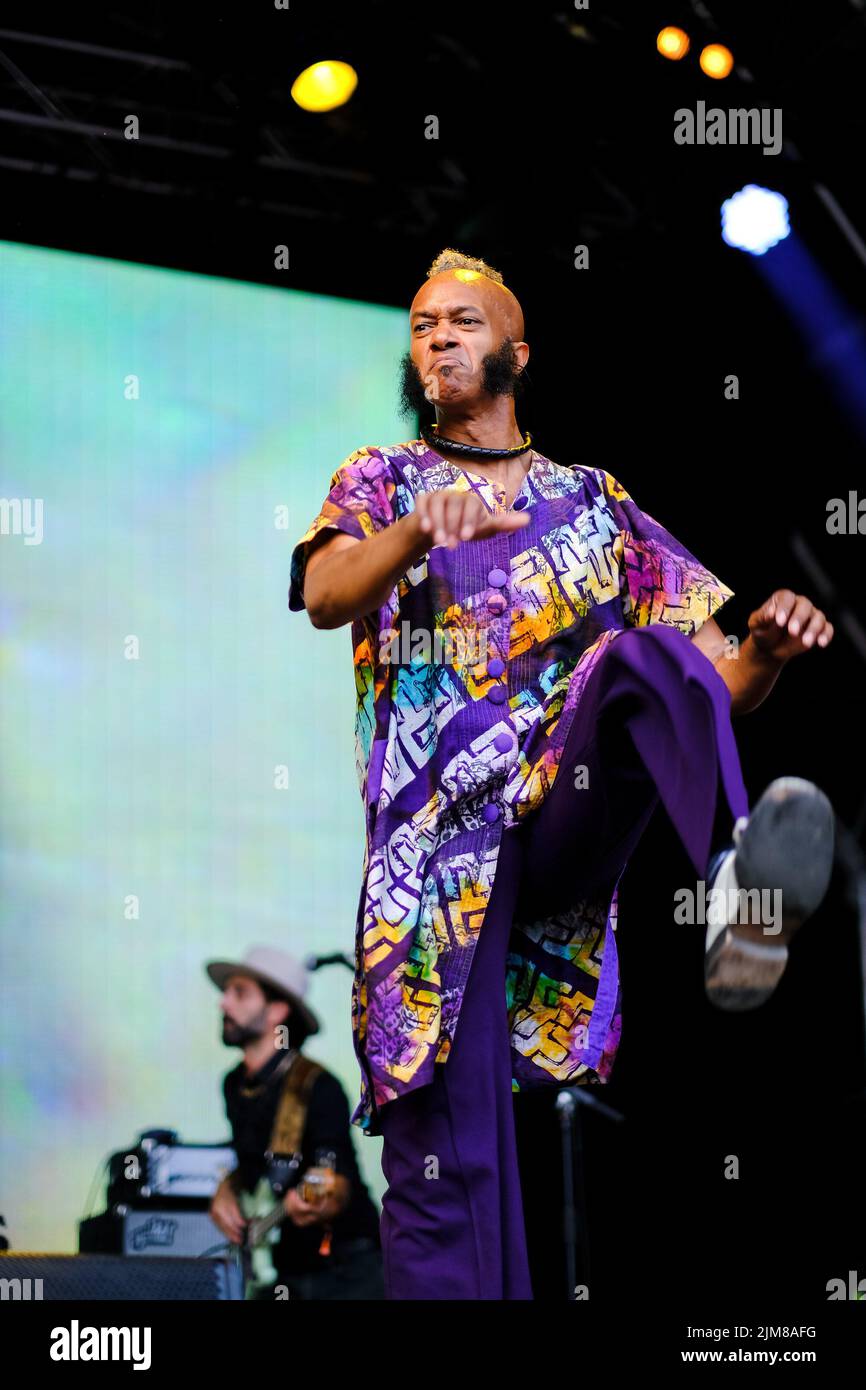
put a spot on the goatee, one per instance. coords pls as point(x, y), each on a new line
point(238, 1035)
point(501, 375)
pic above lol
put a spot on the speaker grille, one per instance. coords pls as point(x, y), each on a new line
point(123, 1278)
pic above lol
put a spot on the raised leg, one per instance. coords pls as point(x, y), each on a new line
point(653, 724)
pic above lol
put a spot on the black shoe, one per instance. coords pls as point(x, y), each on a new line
point(784, 849)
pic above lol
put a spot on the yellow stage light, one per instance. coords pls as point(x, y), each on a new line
point(324, 86)
point(716, 60)
point(673, 43)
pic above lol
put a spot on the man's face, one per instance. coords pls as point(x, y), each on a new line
point(459, 331)
point(246, 1012)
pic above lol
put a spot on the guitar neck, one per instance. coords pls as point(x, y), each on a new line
point(260, 1225)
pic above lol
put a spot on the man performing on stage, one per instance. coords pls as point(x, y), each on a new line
point(536, 666)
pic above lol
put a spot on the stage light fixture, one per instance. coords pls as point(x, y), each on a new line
point(755, 219)
point(324, 86)
point(716, 60)
point(673, 43)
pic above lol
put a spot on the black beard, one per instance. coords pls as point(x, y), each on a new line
point(501, 375)
point(238, 1035)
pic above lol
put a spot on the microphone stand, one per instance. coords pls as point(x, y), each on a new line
point(574, 1224)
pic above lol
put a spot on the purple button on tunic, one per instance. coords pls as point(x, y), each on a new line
point(430, 732)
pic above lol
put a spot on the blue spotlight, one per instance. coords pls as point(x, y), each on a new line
point(755, 219)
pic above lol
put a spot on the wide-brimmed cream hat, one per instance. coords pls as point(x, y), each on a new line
point(269, 966)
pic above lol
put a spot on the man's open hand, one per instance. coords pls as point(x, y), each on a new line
point(450, 516)
point(788, 624)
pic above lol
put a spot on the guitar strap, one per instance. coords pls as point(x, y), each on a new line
point(291, 1117)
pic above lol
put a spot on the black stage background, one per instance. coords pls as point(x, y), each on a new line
point(556, 131)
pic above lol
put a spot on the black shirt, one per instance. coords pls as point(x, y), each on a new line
point(327, 1127)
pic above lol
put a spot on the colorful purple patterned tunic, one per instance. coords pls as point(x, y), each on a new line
point(466, 681)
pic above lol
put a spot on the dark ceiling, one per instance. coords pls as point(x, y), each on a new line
point(555, 127)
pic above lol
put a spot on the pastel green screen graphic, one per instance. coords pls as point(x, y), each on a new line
point(154, 685)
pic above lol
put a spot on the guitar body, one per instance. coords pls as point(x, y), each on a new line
point(264, 1218)
point(263, 1232)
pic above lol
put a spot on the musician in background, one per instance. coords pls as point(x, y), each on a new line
point(329, 1245)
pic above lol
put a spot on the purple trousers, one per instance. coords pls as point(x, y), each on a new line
point(653, 723)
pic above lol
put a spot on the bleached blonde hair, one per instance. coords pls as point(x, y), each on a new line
point(450, 259)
